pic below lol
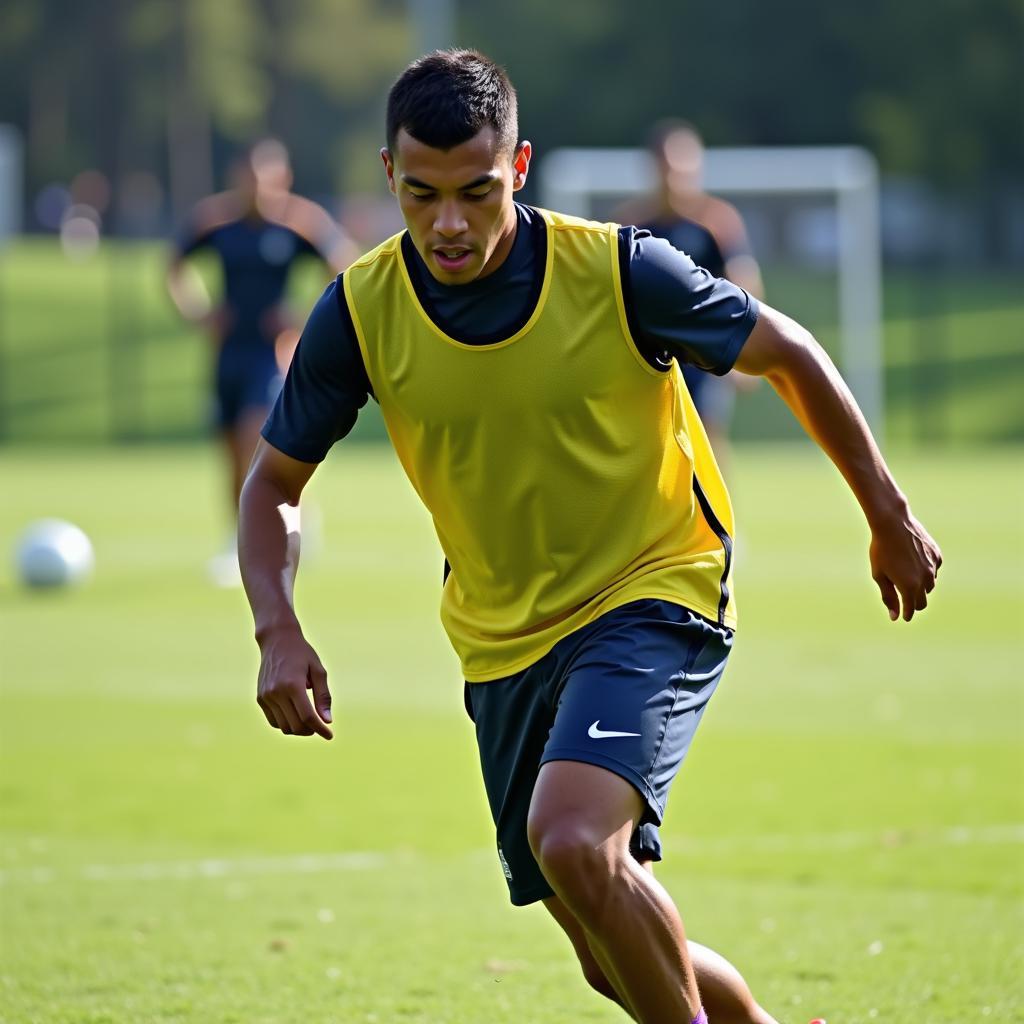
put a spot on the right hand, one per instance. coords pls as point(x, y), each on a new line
point(289, 668)
point(905, 562)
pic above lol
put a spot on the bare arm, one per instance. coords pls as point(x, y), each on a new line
point(904, 558)
point(342, 251)
point(743, 270)
point(268, 555)
point(729, 231)
point(193, 302)
point(310, 220)
point(187, 291)
point(185, 286)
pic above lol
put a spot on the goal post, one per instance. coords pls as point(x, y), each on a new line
point(571, 179)
point(12, 169)
point(12, 160)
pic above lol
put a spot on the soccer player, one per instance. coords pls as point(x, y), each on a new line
point(711, 232)
point(258, 229)
point(527, 366)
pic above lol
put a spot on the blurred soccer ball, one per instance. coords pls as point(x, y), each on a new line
point(52, 553)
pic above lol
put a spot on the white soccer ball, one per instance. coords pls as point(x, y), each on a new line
point(53, 553)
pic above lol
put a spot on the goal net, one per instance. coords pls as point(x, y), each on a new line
point(812, 215)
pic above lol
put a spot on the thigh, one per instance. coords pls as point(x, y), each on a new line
point(228, 390)
point(529, 718)
point(634, 694)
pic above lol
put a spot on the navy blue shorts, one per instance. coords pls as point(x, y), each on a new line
point(248, 380)
point(625, 692)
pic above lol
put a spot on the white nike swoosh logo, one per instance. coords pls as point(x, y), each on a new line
point(603, 734)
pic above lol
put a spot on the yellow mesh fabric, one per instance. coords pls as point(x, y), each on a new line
point(558, 466)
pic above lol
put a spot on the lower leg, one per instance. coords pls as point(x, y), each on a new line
point(639, 934)
point(581, 819)
point(724, 993)
point(240, 440)
point(723, 990)
point(598, 973)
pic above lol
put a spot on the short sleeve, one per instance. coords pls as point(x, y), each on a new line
point(678, 310)
point(326, 385)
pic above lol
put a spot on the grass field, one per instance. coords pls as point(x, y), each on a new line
point(848, 828)
point(93, 350)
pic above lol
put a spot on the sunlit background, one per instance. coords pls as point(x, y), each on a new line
point(120, 115)
point(850, 828)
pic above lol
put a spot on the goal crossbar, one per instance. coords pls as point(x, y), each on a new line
point(571, 177)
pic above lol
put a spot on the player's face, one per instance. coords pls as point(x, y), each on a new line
point(457, 203)
point(682, 160)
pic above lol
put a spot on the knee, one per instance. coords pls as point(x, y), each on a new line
point(571, 857)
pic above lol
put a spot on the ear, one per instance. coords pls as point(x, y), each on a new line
point(521, 164)
point(389, 169)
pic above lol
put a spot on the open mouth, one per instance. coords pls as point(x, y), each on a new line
point(452, 260)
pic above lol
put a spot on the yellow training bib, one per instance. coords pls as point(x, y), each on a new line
point(565, 475)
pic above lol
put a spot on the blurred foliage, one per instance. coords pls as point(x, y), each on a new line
point(934, 87)
point(98, 83)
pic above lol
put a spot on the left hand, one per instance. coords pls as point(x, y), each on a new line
point(905, 562)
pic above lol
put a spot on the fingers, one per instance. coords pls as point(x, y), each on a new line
point(913, 602)
point(289, 667)
point(905, 573)
point(288, 719)
point(321, 693)
point(889, 596)
point(268, 713)
point(308, 722)
point(287, 707)
point(293, 713)
point(914, 598)
point(312, 721)
point(915, 594)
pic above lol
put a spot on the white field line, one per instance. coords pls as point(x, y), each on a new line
point(330, 863)
point(953, 835)
point(224, 868)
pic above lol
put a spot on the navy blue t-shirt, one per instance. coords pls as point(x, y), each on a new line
point(677, 310)
point(256, 257)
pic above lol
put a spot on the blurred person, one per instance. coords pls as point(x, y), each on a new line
point(711, 232)
point(527, 366)
point(258, 229)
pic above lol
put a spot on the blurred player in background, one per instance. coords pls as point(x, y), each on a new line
point(711, 232)
point(259, 230)
point(526, 364)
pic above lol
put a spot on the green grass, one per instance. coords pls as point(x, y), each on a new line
point(93, 349)
point(74, 334)
point(848, 827)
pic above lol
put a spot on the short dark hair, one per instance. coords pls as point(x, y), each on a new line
point(444, 98)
